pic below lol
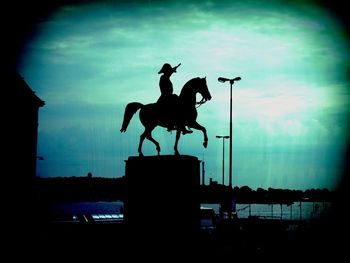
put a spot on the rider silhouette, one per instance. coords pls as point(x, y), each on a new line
point(167, 99)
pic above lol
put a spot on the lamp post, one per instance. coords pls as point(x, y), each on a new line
point(231, 83)
point(223, 155)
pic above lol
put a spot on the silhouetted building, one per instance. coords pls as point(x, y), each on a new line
point(21, 125)
point(19, 155)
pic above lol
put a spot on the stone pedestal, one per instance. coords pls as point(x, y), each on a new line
point(162, 203)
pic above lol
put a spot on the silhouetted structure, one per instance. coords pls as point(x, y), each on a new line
point(20, 154)
point(162, 199)
point(22, 128)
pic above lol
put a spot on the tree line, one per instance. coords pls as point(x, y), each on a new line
point(109, 189)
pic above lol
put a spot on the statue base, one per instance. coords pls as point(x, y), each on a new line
point(162, 202)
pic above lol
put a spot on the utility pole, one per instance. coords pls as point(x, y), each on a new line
point(223, 155)
point(231, 83)
point(203, 173)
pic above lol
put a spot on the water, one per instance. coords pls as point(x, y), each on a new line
point(100, 211)
point(297, 211)
point(100, 207)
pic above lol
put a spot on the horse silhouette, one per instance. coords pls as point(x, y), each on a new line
point(183, 113)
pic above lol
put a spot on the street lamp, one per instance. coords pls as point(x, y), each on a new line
point(231, 83)
point(223, 155)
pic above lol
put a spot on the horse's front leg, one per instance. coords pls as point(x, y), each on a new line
point(197, 126)
point(142, 138)
point(177, 138)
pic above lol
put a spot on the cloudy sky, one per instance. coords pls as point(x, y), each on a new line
point(290, 110)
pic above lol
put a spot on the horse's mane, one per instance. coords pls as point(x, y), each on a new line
point(190, 83)
point(188, 89)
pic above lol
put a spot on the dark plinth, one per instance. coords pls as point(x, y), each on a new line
point(162, 197)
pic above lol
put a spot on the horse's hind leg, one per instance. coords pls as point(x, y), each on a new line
point(142, 138)
point(149, 137)
point(147, 134)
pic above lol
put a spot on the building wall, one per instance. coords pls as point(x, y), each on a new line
point(21, 128)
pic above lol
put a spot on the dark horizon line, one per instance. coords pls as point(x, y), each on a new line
point(216, 184)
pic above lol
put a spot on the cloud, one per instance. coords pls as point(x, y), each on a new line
point(89, 61)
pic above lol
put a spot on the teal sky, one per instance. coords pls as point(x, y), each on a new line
point(290, 110)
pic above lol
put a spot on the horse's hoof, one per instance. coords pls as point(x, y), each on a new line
point(176, 153)
point(140, 154)
point(205, 144)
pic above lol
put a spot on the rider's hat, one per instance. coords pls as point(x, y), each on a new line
point(167, 68)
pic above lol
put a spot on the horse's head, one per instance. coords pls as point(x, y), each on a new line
point(203, 89)
point(193, 86)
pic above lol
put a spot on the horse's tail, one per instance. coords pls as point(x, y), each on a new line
point(129, 112)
